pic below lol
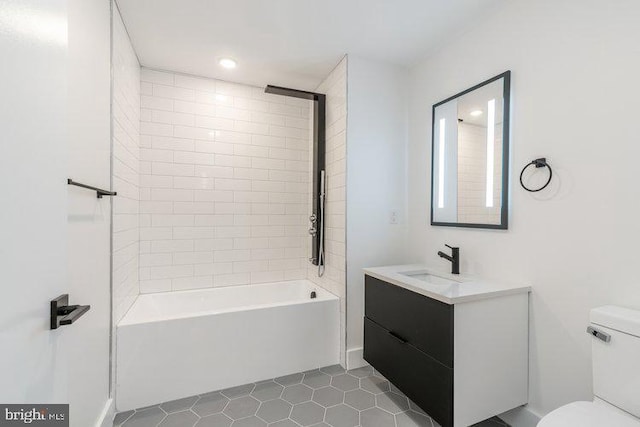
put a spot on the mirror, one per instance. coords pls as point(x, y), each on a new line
point(470, 157)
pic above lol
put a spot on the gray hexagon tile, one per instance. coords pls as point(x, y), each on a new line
point(241, 407)
point(179, 405)
point(376, 417)
point(210, 403)
point(241, 390)
point(395, 389)
point(360, 399)
point(290, 379)
point(345, 382)
point(325, 397)
point(297, 393)
point(363, 372)
point(333, 370)
point(267, 390)
point(342, 416)
point(215, 420)
point(146, 417)
point(316, 379)
point(274, 410)
point(416, 408)
point(328, 396)
point(374, 385)
point(249, 422)
point(307, 414)
point(392, 402)
point(378, 374)
point(284, 423)
point(180, 419)
point(121, 417)
point(412, 419)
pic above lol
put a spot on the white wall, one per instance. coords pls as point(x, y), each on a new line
point(224, 184)
point(575, 82)
point(89, 218)
point(126, 169)
point(334, 278)
point(376, 180)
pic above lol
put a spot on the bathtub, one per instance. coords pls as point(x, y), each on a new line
point(177, 344)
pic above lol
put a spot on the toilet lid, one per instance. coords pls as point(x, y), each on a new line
point(588, 414)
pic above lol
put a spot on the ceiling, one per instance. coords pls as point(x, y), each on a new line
point(294, 43)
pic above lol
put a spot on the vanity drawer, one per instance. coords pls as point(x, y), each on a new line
point(424, 380)
point(423, 322)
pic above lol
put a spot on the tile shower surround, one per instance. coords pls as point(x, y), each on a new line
point(224, 184)
point(335, 279)
point(126, 170)
point(323, 397)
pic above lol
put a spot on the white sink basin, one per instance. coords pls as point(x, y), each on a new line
point(432, 279)
point(441, 285)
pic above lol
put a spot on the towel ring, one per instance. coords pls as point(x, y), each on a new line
point(539, 163)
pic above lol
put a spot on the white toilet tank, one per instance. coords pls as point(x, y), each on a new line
point(616, 362)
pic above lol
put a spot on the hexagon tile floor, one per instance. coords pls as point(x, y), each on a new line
point(326, 397)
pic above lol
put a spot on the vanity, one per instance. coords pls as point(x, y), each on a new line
point(456, 346)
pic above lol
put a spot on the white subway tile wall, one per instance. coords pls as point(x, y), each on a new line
point(334, 279)
point(472, 175)
point(224, 184)
point(126, 170)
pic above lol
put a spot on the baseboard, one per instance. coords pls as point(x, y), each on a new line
point(520, 417)
point(106, 417)
point(355, 358)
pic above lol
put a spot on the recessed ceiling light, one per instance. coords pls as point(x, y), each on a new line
point(228, 63)
point(476, 113)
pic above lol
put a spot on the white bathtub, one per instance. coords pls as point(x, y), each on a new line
point(177, 344)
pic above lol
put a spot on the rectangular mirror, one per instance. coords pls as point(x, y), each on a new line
point(470, 157)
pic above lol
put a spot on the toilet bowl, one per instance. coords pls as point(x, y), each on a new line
point(616, 374)
point(588, 414)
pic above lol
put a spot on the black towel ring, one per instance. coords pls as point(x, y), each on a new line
point(539, 163)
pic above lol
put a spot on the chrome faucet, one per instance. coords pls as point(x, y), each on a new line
point(454, 258)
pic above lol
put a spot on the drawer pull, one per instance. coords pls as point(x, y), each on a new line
point(398, 337)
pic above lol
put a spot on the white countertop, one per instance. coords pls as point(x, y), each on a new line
point(467, 289)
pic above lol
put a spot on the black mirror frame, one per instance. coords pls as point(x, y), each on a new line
point(504, 208)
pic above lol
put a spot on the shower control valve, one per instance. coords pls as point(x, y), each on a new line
point(313, 231)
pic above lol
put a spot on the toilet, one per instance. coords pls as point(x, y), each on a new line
point(616, 374)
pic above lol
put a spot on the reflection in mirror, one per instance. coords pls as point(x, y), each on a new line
point(470, 157)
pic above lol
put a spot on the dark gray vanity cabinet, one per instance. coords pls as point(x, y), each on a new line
point(408, 338)
point(461, 362)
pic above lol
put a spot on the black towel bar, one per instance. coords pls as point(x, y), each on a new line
point(100, 191)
